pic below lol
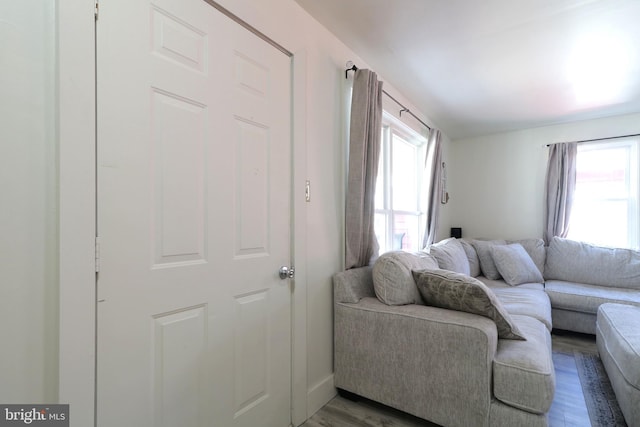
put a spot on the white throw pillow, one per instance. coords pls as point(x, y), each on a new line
point(536, 250)
point(515, 265)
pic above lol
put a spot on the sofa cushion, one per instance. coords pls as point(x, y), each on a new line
point(536, 250)
point(587, 298)
point(392, 279)
point(526, 302)
point(523, 373)
point(618, 327)
point(451, 256)
point(472, 257)
point(483, 248)
point(455, 291)
point(580, 262)
point(497, 284)
point(515, 265)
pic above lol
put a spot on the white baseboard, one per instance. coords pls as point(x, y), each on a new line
point(320, 394)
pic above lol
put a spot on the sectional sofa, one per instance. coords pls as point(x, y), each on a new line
point(461, 335)
point(580, 277)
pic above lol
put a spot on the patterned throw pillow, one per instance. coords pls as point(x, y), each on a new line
point(455, 291)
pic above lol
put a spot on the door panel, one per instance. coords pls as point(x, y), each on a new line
point(194, 219)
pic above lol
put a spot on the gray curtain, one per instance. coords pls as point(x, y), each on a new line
point(364, 153)
point(433, 166)
point(559, 189)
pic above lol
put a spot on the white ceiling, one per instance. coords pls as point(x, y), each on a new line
point(479, 67)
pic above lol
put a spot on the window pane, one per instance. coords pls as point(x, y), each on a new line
point(397, 197)
point(603, 173)
point(404, 175)
point(380, 227)
point(600, 222)
point(604, 209)
point(406, 232)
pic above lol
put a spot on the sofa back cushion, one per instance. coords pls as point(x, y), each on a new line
point(392, 279)
point(472, 257)
point(533, 246)
point(455, 291)
point(536, 250)
point(580, 262)
point(451, 256)
point(487, 265)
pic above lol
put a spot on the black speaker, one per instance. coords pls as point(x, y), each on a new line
point(456, 232)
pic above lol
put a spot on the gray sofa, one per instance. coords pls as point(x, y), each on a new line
point(580, 277)
point(577, 277)
point(450, 366)
point(446, 366)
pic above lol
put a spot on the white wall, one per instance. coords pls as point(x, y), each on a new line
point(29, 213)
point(444, 221)
point(496, 182)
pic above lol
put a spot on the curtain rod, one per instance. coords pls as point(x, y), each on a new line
point(599, 139)
point(351, 67)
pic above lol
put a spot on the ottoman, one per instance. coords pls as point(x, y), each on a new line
point(618, 341)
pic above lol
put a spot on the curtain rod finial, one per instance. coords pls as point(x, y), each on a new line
point(350, 67)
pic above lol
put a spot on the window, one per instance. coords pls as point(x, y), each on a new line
point(400, 209)
point(605, 207)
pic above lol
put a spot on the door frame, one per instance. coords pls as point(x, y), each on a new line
point(299, 386)
point(76, 77)
point(75, 28)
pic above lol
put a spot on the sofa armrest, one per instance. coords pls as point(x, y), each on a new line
point(353, 285)
point(427, 361)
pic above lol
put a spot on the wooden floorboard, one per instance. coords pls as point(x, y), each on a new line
point(568, 408)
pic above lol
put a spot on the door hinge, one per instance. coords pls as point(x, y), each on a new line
point(307, 191)
point(96, 10)
point(97, 254)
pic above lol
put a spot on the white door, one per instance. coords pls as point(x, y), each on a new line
point(194, 219)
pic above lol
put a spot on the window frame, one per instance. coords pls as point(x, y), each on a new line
point(632, 190)
point(392, 126)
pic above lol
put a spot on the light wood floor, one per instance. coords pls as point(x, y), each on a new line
point(568, 408)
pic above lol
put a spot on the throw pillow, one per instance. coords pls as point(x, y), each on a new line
point(515, 265)
point(472, 257)
point(536, 250)
point(392, 279)
point(451, 256)
point(455, 291)
point(483, 248)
